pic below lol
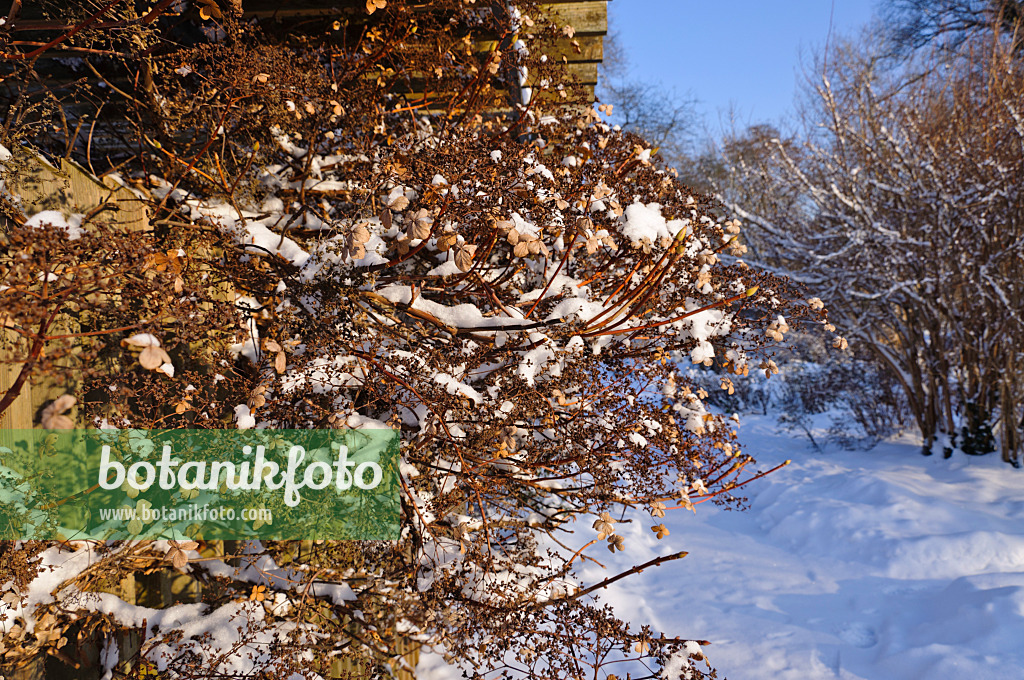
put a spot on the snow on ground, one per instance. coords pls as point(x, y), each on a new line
point(878, 564)
point(873, 565)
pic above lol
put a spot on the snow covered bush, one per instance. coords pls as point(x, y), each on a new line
point(510, 283)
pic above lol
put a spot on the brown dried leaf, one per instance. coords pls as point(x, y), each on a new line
point(153, 358)
point(402, 244)
point(397, 200)
point(446, 241)
point(150, 358)
point(62, 403)
point(464, 258)
point(58, 423)
point(420, 230)
point(210, 10)
point(280, 362)
point(495, 63)
point(660, 531)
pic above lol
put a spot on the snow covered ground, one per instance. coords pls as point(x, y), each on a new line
point(880, 564)
point(873, 565)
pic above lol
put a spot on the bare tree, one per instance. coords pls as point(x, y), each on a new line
point(912, 219)
point(916, 24)
point(668, 120)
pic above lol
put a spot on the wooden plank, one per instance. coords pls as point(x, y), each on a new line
point(550, 95)
point(69, 189)
point(587, 48)
point(586, 18)
point(586, 72)
point(72, 189)
point(40, 188)
point(18, 415)
point(405, 666)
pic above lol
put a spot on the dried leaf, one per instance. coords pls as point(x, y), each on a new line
point(495, 63)
point(464, 258)
point(153, 357)
point(660, 531)
point(360, 234)
point(58, 423)
point(420, 230)
point(397, 200)
point(210, 10)
point(446, 241)
point(402, 244)
point(280, 362)
point(62, 403)
point(140, 340)
point(522, 249)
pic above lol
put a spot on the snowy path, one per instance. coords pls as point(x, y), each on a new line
point(858, 565)
point(881, 565)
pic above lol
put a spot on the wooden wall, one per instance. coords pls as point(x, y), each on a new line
point(67, 189)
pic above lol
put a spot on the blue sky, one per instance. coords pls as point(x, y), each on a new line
point(722, 52)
